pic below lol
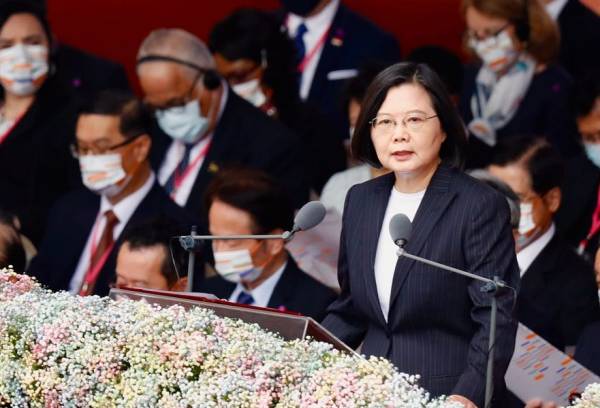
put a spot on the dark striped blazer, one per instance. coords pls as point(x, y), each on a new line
point(438, 322)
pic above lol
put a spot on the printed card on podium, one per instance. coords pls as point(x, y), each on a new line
point(540, 370)
point(289, 325)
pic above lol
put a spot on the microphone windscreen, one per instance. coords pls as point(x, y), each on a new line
point(309, 216)
point(400, 228)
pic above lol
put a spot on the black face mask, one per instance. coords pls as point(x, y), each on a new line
point(299, 7)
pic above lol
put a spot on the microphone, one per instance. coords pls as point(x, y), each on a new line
point(400, 229)
point(309, 216)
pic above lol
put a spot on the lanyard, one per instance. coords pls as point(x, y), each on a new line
point(311, 54)
point(180, 177)
point(9, 131)
point(94, 270)
point(594, 228)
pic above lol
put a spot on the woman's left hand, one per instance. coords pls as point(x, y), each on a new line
point(467, 403)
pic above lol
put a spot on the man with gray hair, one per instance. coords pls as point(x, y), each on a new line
point(203, 126)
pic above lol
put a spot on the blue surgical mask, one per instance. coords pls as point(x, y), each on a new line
point(184, 123)
point(592, 151)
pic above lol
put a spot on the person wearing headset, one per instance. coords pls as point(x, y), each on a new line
point(203, 126)
point(517, 89)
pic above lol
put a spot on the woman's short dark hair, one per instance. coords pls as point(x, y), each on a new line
point(452, 148)
point(256, 193)
point(539, 158)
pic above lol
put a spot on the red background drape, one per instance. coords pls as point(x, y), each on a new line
point(115, 28)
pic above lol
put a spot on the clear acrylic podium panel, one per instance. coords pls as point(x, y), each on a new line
point(288, 325)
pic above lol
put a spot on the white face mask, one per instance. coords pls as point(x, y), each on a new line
point(184, 123)
point(235, 266)
point(251, 91)
point(101, 173)
point(592, 151)
point(526, 223)
point(23, 68)
point(496, 52)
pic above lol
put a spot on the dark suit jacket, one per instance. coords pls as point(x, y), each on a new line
point(558, 295)
point(544, 111)
point(579, 34)
point(587, 351)
point(352, 41)
point(34, 157)
point(579, 198)
point(69, 226)
point(245, 136)
point(87, 74)
point(438, 322)
point(295, 291)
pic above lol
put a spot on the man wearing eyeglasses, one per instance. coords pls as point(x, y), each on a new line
point(84, 227)
point(203, 126)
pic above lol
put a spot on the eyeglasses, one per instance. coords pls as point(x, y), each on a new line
point(78, 151)
point(385, 124)
point(491, 36)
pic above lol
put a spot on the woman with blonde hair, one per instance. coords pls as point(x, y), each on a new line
point(517, 88)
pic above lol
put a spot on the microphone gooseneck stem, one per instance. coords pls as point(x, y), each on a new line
point(498, 283)
point(491, 286)
point(489, 383)
point(191, 262)
point(285, 235)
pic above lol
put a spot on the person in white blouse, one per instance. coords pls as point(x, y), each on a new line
point(423, 320)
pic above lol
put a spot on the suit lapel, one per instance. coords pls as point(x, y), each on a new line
point(435, 201)
point(212, 161)
point(376, 205)
point(535, 278)
point(284, 287)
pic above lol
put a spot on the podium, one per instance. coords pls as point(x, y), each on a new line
point(289, 325)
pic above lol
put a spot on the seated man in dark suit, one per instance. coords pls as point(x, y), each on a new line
point(580, 190)
point(144, 260)
point(84, 228)
point(256, 272)
point(558, 295)
point(208, 125)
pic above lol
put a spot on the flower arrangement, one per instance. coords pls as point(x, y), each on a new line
point(590, 397)
point(61, 350)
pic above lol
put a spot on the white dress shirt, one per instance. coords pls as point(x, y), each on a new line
point(124, 209)
point(175, 154)
point(527, 255)
point(385, 257)
point(334, 192)
point(555, 7)
point(317, 26)
point(262, 293)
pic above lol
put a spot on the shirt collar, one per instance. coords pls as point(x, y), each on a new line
point(263, 292)
point(125, 208)
point(317, 23)
point(555, 7)
point(527, 255)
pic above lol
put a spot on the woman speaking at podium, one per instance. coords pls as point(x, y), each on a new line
point(424, 320)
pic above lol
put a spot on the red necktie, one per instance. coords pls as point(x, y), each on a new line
point(99, 253)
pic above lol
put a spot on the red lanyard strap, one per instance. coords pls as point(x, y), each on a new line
point(595, 227)
point(180, 178)
point(311, 54)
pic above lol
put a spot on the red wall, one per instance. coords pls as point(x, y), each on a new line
point(115, 28)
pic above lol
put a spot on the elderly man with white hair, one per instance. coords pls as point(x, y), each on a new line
point(204, 127)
